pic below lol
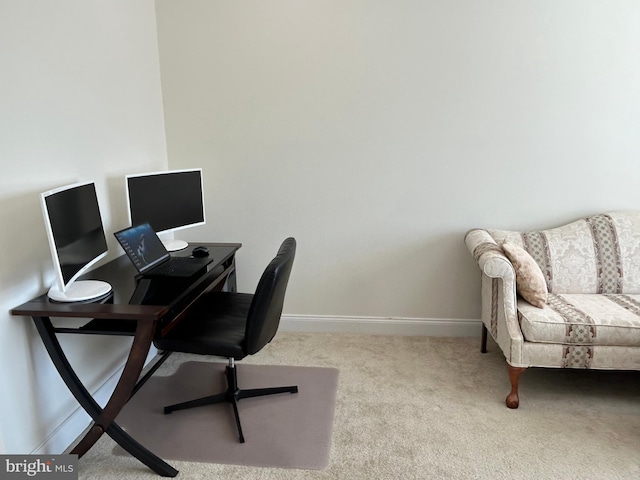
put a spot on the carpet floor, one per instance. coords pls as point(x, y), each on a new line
point(433, 408)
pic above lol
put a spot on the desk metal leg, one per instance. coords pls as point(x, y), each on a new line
point(104, 418)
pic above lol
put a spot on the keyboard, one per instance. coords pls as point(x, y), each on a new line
point(179, 267)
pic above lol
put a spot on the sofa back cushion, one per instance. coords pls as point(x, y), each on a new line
point(597, 254)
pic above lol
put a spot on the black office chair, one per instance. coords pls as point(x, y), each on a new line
point(234, 325)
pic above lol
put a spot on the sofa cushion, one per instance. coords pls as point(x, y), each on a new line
point(583, 319)
point(597, 254)
point(530, 282)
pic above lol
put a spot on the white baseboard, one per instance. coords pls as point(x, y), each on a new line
point(431, 327)
point(78, 422)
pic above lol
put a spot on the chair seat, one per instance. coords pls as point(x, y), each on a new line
point(216, 326)
point(583, 319)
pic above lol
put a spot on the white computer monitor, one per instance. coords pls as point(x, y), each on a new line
point(76, 239)
point(169, 201)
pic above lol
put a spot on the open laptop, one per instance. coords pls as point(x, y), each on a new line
point(151, 258)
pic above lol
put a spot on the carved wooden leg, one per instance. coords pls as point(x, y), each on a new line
point(514, 376)
point(483, 342)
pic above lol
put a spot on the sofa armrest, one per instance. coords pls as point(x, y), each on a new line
point(499, 301)
point(489, 256)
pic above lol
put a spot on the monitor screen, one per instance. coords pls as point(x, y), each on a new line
point(168, 201)
point(76, 238)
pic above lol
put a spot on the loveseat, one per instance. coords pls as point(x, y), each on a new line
point(581, 282)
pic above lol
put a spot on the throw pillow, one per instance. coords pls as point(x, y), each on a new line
point(530, 282)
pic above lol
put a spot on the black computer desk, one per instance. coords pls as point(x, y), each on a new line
point(139, 307)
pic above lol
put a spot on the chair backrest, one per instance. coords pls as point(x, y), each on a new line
point(268, 300)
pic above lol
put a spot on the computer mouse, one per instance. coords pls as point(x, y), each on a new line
point(200, 251)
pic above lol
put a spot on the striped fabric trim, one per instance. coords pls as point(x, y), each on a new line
point(578, 356)
point(627, 302)
point(494, 307)
point(607, 251)
point(485, 247)
point(536, 244)
point(580, 327)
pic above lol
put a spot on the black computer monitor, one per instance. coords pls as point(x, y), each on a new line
point(77, 241)
point(168, 201)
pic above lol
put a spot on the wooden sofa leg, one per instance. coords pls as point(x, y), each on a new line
point(514, 376)
point(483, 342)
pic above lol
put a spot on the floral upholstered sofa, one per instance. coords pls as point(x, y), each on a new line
point(566, 297)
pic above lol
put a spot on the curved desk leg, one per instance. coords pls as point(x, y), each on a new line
point(103, 418)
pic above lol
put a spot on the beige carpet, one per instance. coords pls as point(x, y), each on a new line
point(285, 430)
point(433, 408)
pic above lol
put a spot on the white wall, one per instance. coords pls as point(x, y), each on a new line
point(378, 132)
point(375, 132)
point(79, 100)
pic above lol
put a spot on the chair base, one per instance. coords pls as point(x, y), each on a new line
point(232, 395)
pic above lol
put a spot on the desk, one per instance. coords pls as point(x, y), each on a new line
point(138, 307)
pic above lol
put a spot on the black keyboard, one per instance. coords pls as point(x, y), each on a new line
point(179, 267)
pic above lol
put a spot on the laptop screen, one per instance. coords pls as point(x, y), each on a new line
point(142, 246)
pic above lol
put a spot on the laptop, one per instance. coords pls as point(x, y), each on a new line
point(151, 258)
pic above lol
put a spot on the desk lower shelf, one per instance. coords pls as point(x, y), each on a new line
point(99, 326)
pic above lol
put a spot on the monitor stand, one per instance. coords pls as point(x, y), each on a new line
point(80, 291)
point(174, 245)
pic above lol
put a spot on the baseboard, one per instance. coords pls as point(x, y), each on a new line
point(69, 431)
point(78, 422)
point(431, 327)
